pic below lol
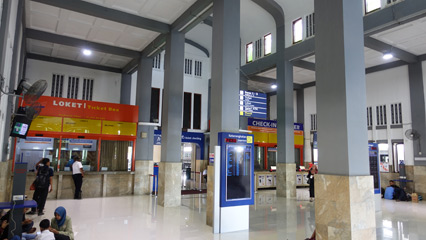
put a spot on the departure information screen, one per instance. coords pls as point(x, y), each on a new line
point(238, 177)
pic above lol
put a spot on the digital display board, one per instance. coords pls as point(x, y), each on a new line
point(237, 169)
point(253, 104)
point(374, 165)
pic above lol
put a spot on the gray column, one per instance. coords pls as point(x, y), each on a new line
point(341, 91)
point(145, 133)
point(418, 120)
point(169, 186)
point(126, 88)
point(300, 96)
point(225, 68)
point(343, 187)
point(225, 79)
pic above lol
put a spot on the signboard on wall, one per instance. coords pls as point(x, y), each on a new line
point(189, 137)
point(270, 127)
point(74, 108)
point(253, 104)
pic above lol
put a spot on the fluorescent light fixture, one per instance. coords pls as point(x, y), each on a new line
point(387, 56)
point(274, 86)
point(87, 52)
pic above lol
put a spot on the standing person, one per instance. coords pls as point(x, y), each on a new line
point(61, 225)
point(77, 176)
point(311, 174)
point(43, 185)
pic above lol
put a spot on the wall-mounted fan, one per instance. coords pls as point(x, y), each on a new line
point(414, 136)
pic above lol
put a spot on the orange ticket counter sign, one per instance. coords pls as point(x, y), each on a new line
point(74, 108)
point(85, 117)
point(265, 131)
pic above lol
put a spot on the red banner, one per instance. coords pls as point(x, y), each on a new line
point(73, 108)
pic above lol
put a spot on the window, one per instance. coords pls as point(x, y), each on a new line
point(258, 49)
point(369, 117)
point(87, 89)
point(249, 52)
point(32, 149)
point(372, 5)
point(116, 155)
point(313, 122)
point(188, 66)
point(187, 110)
point(297, 30)
point(155, 105)
point(259, 158)
point(396, 113)
point(57, 85)
point(267, 41)
point(72, 87)
point(381, 115)
point(310, 25)
point(198, 68)
point(156, 62)
point(196, 124)
point(85, 149)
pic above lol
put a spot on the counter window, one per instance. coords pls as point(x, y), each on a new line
point(259, 158)
point(116, 155)
point(33, 149)
point(85, 149)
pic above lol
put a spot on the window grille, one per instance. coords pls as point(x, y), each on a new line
point(72, 87)
point(313, 122)
point(87, 89)
point(156, 62)
point(381, 115)
point(310, 25)
point(188, 66)
point(369, 116)
point(198, 68)
point(57, 85)
point(258, 49)
point(396, 113)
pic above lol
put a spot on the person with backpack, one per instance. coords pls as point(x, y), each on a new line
point(43, 185)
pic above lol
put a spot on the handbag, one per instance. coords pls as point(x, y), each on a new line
point(32, 187)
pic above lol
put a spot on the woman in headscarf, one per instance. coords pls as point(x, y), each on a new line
point(61, 225)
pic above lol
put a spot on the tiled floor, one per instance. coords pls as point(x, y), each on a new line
point(139, 217)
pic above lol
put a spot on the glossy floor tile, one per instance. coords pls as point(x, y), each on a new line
point(139, 217)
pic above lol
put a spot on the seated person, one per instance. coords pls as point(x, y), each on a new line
point(395, 192)
point(27, 225)
point(45, 233)
point(61, 225)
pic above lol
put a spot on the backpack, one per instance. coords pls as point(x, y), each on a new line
point(43, 178)
point(389, 193)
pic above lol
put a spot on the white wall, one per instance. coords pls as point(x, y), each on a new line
point(255, 24)
point(383, 88)
point(106, 85)
point(192, 84)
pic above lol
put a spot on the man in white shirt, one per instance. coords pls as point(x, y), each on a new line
point(77, 176)
point(45, 233)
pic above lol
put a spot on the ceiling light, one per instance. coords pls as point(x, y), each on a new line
point(274, 86)
point(387, 56)
point(87, 52)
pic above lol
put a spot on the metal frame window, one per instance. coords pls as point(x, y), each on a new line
point(72, 87)
point(258, 49)
point(310, 25)
point(314, 122)
point(249, 52)
point(369, 116)
point(156, 62)
point(57, 85)
point(87, 89)
point(297, 28)
point(372, 5)
point(381, 115)
point(188, 66)
point(267, 42)
point(396, 113)
point(198, 68)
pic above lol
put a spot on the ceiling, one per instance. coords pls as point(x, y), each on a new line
point(409, 37)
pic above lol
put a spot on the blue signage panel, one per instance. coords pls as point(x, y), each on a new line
point(270, 124)
point(189, 137)
point(237, 169)
point(253, 104)
point(373, 152)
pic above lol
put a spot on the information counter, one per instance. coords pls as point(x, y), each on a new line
point(266, 179)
